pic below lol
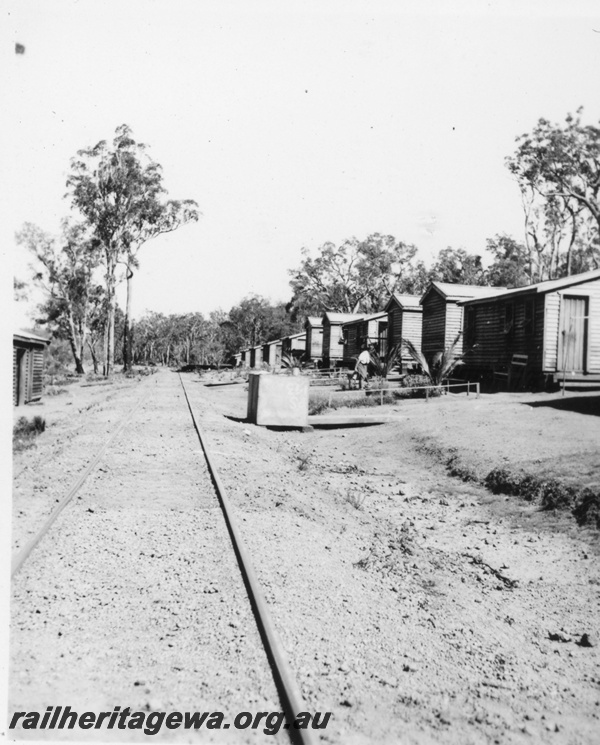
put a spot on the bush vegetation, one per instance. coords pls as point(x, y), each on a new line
point(550, 494)
point(25, 432)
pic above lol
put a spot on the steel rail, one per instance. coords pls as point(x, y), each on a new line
point(290, 696)
point(23, 554)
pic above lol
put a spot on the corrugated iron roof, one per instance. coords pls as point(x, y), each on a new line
point(550, 285)
point(362, 319)
point(456, 292)
point(404, 300)
point(28, 336)
point(341, 317)
point(314, 321)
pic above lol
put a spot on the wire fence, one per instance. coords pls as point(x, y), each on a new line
point(393, 391)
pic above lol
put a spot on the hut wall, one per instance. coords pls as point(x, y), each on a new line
point(454, 325)
point(28, 372)
point(353, 342)
point(315, 346)
point(497, 330)
point(395, 330)
point(326, 343)
point(590, 291)
point(433, 337)
point(298, 345)
point(336, 342)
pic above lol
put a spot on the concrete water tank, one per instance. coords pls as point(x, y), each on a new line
point(278, 400)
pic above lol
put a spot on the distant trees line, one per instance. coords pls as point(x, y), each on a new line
point(118, 193)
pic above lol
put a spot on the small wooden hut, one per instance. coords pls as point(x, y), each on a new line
point(294, 345)
point(313, 327)
point(443, 314)
point(272, 353)
point(28, 367)
point(540, 333)
point(368, 330)
point(256, 357)
point(333, 339)
point(405, 321)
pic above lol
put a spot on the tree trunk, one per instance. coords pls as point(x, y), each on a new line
point(127, 332)
point(77, 355)
point(92, 349)
point(109, 339)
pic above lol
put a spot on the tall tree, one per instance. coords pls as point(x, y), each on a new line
point(355, 276)
point(64, 268)
point(119, 191)
point(254, 321)
point(458, 266)
point(557, 168)
point(511, 266)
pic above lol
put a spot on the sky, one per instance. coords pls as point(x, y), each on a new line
point(290, 123)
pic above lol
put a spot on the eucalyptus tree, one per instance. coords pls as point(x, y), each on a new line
point(557, 167)
point(119, 191)
point(64, 268)
point(357, 275)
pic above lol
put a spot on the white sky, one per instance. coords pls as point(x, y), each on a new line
point(291, 123)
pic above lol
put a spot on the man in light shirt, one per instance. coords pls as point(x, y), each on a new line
point(362, 366)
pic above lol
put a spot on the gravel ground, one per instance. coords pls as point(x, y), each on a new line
point(134, 597)
point(416, 608)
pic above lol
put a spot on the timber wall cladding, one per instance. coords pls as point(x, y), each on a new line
point(434, 324)
point(454, 324)
point(316, 342)
point(553, 308)
point(552, 328)
point(37, 376)
point(336, 341)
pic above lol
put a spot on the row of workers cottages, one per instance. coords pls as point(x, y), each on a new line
point(550, 328)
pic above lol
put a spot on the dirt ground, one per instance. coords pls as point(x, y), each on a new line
point(413, 606)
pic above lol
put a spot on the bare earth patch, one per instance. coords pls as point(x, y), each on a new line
point(416, 607)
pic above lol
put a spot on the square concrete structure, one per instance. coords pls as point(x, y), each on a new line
point(278, 400)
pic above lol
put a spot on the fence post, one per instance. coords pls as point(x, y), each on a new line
point(329, 402)
point(477, 389)
point(381, 397)
point(426, 395)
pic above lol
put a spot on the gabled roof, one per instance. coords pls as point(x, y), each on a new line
point(296, 336)
point(407, 302)
point(28, 336)
point(371, 317)
point(550, 285)
point(313, 321)
point(341, 317)
point(456, 293)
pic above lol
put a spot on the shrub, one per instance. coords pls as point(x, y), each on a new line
point(587, 507)
point(25, 432)
point(455, 468)
point(502, 481)
point(417, 381)
point(556, 496)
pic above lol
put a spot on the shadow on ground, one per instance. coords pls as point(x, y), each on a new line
point(577, 404)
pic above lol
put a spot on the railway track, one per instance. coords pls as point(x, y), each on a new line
point(143, 548)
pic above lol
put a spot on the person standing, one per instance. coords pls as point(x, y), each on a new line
point(362, 366)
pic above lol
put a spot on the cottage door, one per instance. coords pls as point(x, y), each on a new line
point(572, 335)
